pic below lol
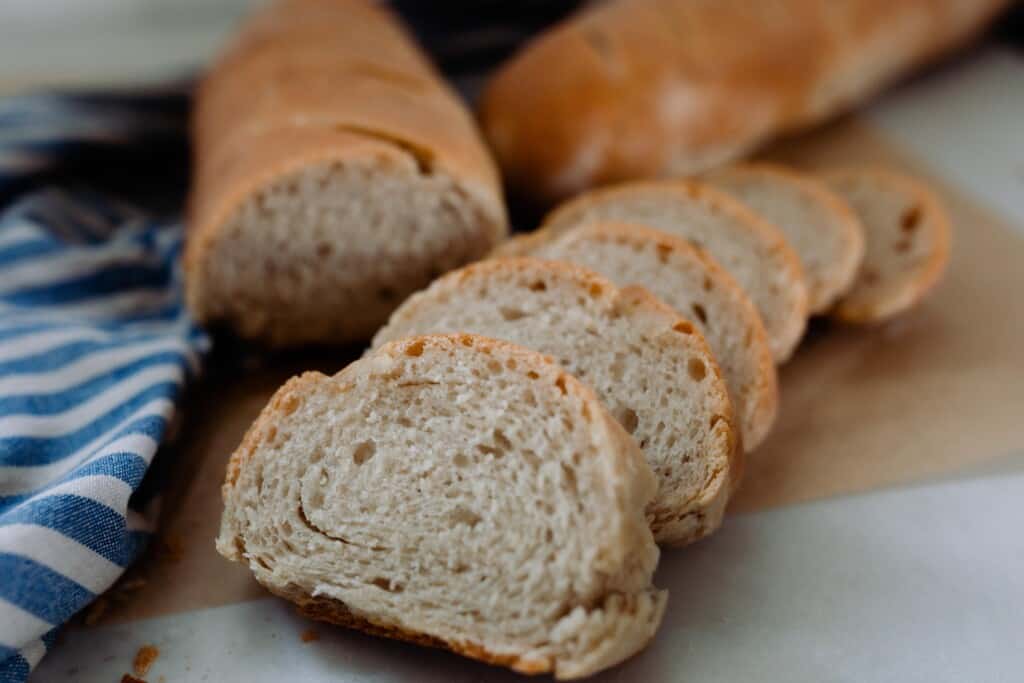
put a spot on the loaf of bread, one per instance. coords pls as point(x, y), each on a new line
point(817, 223)
point(695, 285)
point(335, 173)
point(642, 88)
point(452, 491)
point(648, 365)
point(754, 251)
point(908, 242)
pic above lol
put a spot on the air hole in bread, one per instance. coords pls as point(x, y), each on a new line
point(531, 458)
point(495, 366)
point(617, 368)
point(568, 481)
point(708, 284)
point(664, 251)
point(870, 276)
point(502, 441)
point(511, 313)
point(701, 313)
point(911, 219)
point(903, 245)
point(560, 383)
point(683, 327)
point(289, 403)
point(364, 452)
point(697, 369)
point(388, 585)
point(415, 349)
point(627, 417)
point(532, 375)
point(538, 286)
point(462, 515)
point(461, 459)
point(323, 250)
point(596, 290)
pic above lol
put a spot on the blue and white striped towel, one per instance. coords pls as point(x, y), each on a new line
point(95, 346)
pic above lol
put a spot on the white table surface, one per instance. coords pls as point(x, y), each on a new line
point(912, 584)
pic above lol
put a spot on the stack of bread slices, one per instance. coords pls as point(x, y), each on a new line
point(494, 474)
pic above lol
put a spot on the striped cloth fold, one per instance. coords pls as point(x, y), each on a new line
point(95, 346)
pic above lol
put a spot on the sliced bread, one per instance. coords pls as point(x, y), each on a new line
point(818, 224)
point(649, 366)
point(457, 492)
point(754, 251)
point(908, 242)
point(692, 283)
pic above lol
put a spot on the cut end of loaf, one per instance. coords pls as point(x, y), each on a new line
point(404, 494)
point(324, 253)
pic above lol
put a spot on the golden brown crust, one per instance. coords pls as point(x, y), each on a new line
point(284, 402)
point(642, 88)
point(928, 273)
point(334, 611)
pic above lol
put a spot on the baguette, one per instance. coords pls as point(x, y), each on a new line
point(753, 250)
point(908, 242)
point(817, 223)
point(648, 365)
point(644, 88)
point(456, 492)
point(335, 174)
point(692, 283)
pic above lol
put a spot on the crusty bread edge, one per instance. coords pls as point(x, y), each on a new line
point(938, 259)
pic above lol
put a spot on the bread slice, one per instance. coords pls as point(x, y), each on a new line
point(754, 252)
point(908, 242)
point(818, 224)
point(453, 491)
point(695, 285)
point(651, 368)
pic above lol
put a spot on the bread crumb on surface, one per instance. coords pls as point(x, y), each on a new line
point(144, 659)
point(309, 636)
